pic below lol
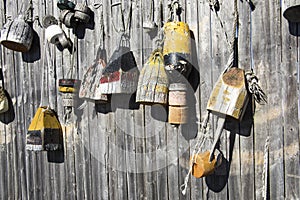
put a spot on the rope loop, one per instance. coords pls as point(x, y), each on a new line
point(174, 9)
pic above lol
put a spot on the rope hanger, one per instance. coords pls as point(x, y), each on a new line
point(174, 10)
point(124, 31)
point(204, 126)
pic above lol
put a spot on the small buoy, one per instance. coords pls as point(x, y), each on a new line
point(45, 131)
point(178, 115)
point(90, 85)
point(153, 81)
point(49, 20)
point(52, 33)
point(177, 47)
point(178, 94)
point(121, 73)
point(55, 35)
point(202, 166)
point(17, 35)
point(82, 12)
point(67, 18)
point(68, 89)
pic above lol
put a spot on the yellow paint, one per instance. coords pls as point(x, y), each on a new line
point(153, 81)
point(202, 167)
point(177, 38)
point(229, 95)
point(67, 89)
point(44, 118)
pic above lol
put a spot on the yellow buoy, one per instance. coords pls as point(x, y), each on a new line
point(44, 132)
point(153, 81)
point(177, 47)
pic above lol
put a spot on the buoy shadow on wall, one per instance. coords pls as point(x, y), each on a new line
point(292, 14)
point(34, 54)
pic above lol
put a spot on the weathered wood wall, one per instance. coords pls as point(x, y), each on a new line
point(128, 154)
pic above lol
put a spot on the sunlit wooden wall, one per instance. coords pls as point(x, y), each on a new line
point(117, 151)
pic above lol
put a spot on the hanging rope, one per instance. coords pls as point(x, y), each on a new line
point(44, 94)
point(215, 6)
point(70, 73)
point(160, 32)
point(234, 37)
point(101, 29)
point(204, 128)
point(126, 25)
point(175, 9)
point(257, 93)
point(202, 137)
point(265, 168)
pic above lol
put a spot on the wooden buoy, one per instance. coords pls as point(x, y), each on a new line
point(68, 89)
point(4, 106)
point(52, 33)
point(82, 12)
point(153, 81)
point(17, 35)
point(44, 132)
point(121, 73)
point(177, 47)
point(55, 35)
point(228, 99)
point(178, 94)
point(178, 109)
point(202, 166)
point(229, 95)
point(67, 18)
point(178, 115)
point(90, 85)
point(64, 41)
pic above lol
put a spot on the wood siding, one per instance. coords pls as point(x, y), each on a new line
point(122, 151)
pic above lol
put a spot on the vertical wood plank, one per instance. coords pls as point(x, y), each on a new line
point(290, 68)
point(219, 57)
point(89, 169)
point(273, 25)
point(245, 131)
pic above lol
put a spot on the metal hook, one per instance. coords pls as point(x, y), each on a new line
point(174, 8)
point(97, 5)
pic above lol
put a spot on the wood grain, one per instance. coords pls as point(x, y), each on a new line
point(155, 155)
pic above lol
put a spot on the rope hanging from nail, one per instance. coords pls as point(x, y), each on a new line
point(202, 137)
point(252, 80)
point(175, 9)
point(125, 24)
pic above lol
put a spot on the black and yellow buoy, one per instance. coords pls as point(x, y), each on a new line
point(68, 88)
point(45, 131)
point(177, 44)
